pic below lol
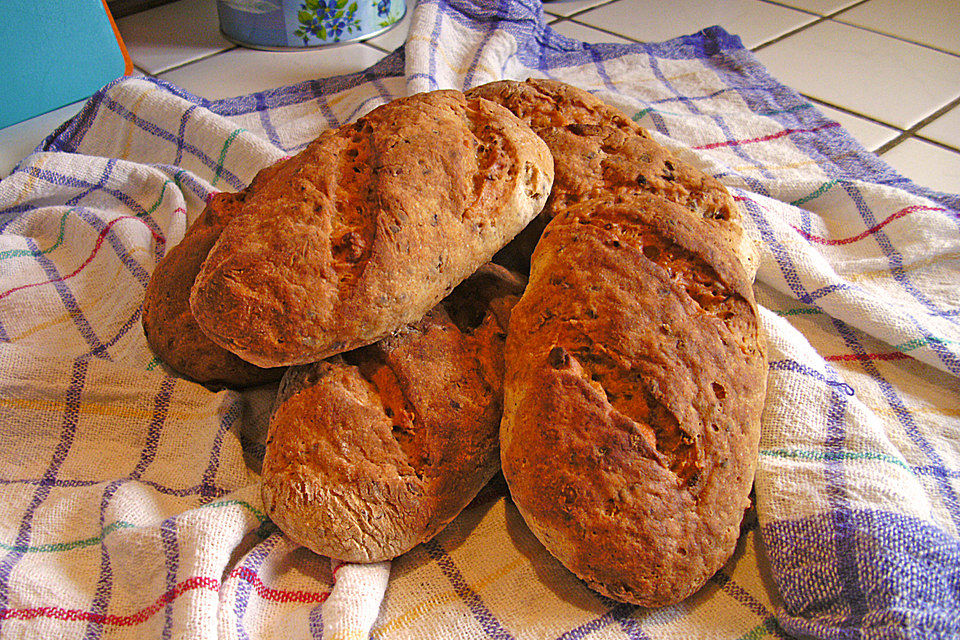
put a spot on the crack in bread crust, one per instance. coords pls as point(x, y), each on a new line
point(369, 227)
point(634, 384)
point(599, 152)
point(373, 451)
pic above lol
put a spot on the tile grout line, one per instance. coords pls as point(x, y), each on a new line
point(911, 132)
point(832, 17)
point(577, 14)
point(206, 56)
point(936, 143)
point(901, 134)
point(820, 20)
point(899, 38)
point(552, 20)
point(580, 12)
point(375, 47)
point(851, 112)
point(829, 14)
point(595, 27)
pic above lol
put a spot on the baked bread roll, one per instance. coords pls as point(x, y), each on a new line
point(599, 151)
point(635, 378)
point(168, 324)
point(369, 227)
point(373, 451)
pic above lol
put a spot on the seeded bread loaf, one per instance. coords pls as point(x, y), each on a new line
point(635, 378)
point(168, 324)
point(373, 451)
point(599, 151)
point(369, 227)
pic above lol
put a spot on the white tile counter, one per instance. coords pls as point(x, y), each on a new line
point(888, 71)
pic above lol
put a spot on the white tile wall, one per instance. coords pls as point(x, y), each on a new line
point(578, 31)
point(172, 35)
point(931, 22)
point(926, 164)
point(241, 71)
point(820, 7)
point(945, 129)
point(652, 20)
point(570, 7)
point(870, 134)
point(887, 70)
point(891, 80)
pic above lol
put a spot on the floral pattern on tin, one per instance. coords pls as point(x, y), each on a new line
point(327, 20)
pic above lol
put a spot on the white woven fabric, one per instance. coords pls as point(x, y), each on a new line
point(129, 498)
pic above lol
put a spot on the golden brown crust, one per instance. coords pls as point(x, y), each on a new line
point(369, 227)
point(599, 151)
point(635, 380)
point(169, 325)
point(375, 450)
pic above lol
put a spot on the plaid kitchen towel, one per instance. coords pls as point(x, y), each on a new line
point(129, 498)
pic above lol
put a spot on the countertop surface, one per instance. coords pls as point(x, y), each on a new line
point(887, 71)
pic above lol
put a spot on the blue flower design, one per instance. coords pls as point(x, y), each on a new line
point(327, 20)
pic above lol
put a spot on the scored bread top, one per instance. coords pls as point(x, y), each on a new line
point(635, 379)
point(599, 151)
point(373, 451)
point(369, 227)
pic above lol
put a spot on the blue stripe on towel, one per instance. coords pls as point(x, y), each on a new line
point(906, 573)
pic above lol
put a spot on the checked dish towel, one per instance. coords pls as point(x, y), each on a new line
point(129, 498)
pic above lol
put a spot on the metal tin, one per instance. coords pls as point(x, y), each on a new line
point(299, 24)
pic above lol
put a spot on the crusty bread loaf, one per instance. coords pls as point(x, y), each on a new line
point(599, 151)
point(635, 378)
point(369, 227)
point(373, 451)
point(168, 324)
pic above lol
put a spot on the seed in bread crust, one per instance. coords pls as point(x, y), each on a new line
point(369, 227)
point(634, 383)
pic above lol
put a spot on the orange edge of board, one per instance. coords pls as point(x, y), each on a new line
point(127, 62)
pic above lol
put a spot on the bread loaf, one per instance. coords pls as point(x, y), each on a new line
point(373, 451)
point(369, 227)
point(635, 378)
point(169, 325)
point(599, 151)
